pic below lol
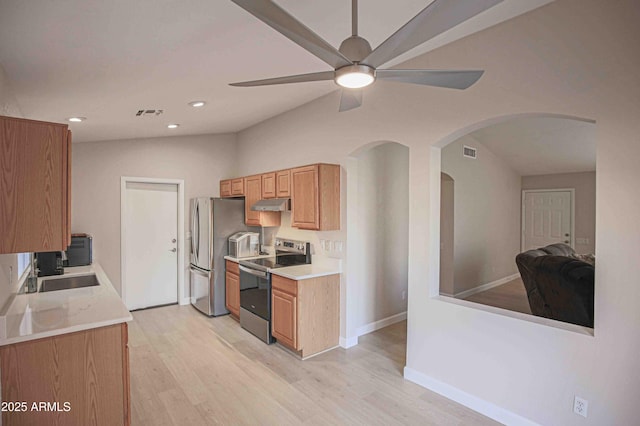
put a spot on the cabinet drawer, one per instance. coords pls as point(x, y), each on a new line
point(232, 267)
point(284, 284)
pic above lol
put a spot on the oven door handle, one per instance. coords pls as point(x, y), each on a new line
point(260, 274)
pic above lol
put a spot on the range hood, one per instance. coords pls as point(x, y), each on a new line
point(272, 205)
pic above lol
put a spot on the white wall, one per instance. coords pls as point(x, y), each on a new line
point(383, 229)
point(487, 202)
point(8, 262)
point(97, 167)
point(572, 57)
point(585, 202)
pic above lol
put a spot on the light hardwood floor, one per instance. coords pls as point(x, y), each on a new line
point(511, 296)
point(187, 369)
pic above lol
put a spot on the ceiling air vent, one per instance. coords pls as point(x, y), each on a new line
point(149, 112)
point(469, 152)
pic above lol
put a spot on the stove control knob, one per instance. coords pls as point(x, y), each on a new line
point(300, 246)
point(278, 243)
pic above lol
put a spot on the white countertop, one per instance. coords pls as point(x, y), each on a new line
point(37, 315)
point(303, 272)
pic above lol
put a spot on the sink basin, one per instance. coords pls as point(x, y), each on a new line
point(53, 284)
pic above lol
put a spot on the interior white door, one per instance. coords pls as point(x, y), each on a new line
point(151, 249)
point(547, 218)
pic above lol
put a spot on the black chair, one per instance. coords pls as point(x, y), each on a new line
point(558, 285)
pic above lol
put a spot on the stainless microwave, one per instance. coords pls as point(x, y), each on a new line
point(244, 244)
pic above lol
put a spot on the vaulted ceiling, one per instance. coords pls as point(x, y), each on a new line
point(105, 60)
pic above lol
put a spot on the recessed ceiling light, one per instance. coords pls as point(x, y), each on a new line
point(173, 126)
point(197, 104)
point(76, 119)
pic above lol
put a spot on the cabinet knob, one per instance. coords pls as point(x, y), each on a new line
point(173, 250)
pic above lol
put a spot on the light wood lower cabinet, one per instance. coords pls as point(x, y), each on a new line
point(305, 314)
point(88, 369)
point(232, 288)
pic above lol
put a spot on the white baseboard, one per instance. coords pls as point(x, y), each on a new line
point(185, 301)
point(484, 287)
point(348, 343)
point(486, 408)
point(377, 325)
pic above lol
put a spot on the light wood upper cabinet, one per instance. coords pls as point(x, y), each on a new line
point(232, 188)
point(268, 185)
point(315, 197)
point(283, 184)
point(252, 194)
point(305, 314)
point(35, 186)
point(225, 188)
point(237, 187)
point(88, 369)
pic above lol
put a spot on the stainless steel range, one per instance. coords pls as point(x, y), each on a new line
point(255, 285)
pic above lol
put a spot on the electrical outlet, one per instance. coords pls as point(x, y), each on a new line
point(329, 245)
point(323, 244)
point(337, 245)
point(580, 406)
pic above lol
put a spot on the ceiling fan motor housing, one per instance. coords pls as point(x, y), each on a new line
point(355, 48)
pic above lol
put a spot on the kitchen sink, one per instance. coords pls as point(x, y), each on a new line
point(53, 284)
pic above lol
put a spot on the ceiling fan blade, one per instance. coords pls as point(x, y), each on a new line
point(350, 99)
point(278, 19)
point(435, 19)
point(300, 78)
point(451, 79)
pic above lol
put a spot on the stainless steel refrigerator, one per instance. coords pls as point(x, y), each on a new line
point(213, 221)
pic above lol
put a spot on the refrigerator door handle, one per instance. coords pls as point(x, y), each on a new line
point(199, 272)
point(196, 228)
point(193, 233)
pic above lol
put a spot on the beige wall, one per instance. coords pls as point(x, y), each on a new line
point(8, 262)
point(486, 215)
point(572, 57)
point(585, 202)
point(98, 166)
point(447, 234)
point(383, 229)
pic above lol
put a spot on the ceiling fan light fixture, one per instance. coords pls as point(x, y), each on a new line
point(355, 76)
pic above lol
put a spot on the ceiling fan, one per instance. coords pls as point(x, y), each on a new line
point(355, 63)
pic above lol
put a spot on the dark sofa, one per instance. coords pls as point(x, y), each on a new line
point(559, 285)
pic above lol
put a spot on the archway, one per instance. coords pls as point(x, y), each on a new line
point(510, 156)
point(377, 231)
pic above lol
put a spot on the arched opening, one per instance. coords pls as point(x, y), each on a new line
point(522, 182)
point(377, 231)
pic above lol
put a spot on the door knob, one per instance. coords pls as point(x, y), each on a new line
point(174, 240)
point(173, 250)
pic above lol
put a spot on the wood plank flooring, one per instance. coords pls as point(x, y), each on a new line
point(187, 369)
point(511, 296)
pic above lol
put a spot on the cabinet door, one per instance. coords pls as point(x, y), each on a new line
point(34, 186)
point(284, 318)
point(253, 193)
point(233, 293)
point(225, 188)
point(283, 184)
point(268, 185)
point(305, 212)
point(237, 187)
